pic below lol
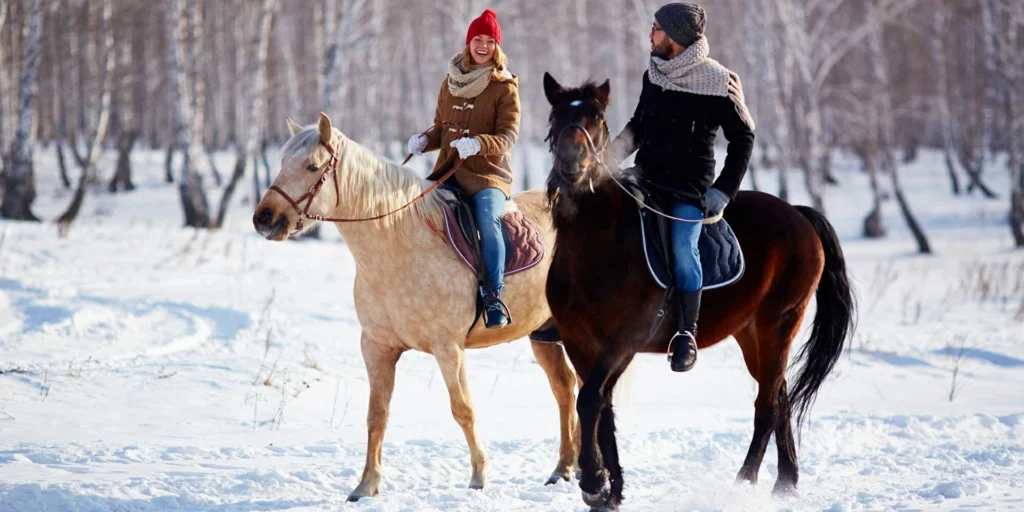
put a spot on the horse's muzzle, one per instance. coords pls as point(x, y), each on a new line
point(269, 227)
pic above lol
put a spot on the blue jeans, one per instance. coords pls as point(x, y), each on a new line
point(487, 206)
point(689, 274)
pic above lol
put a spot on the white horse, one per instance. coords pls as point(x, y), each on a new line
point(412, 292)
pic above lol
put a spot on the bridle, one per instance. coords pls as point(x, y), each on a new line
point(597, 155)
point(332, 169)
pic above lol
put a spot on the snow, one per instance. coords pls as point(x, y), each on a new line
point(150, 367)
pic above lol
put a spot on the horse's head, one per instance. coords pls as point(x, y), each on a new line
point(301, 195)
point(578, 135)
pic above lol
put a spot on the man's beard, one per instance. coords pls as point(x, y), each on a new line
point(661, 51)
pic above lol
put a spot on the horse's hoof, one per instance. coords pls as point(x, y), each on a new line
point(602, 490)
point(597, 500)
point(557, 476)
point(476, 487)
point(360, 493)
point(785, 490)
point(596, 489)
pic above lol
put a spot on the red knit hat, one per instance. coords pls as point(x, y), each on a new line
point(485, 25)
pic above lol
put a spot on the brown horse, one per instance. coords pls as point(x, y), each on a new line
point(605, 302)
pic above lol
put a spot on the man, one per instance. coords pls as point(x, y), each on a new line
point(686, 97)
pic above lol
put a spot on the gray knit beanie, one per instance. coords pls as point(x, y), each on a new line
point(683, 22)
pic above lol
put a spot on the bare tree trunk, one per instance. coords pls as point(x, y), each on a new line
point(196, 81)
point(255, 178)
point(19, 181)
point(257, 97)
point(99, 131)
point(941, 22)
point(169, 163)
point(62, 163)
point(193, 197)
point(883, 119)
point(1011, 71)
point(4, 86)
point(873, 225)
point(266, 162)
point(122, 179)
point(217, 179)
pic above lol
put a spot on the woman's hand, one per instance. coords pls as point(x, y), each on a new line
point(467, 146)
point(417, 143)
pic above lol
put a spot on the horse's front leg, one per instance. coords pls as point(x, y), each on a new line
point(594, 481)
point(452, 361)
point(380, 371)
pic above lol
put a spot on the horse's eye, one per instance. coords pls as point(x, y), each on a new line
point(311, 167)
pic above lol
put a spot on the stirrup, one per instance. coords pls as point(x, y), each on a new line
point(493, 303)
point(678, 334)
point(686, 360)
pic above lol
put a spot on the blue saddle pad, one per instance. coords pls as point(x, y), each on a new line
point(720, 256)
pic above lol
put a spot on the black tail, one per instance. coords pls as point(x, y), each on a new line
point(834, 321)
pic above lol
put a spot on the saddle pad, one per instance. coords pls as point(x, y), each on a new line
point(720, 256)
point(524, 246)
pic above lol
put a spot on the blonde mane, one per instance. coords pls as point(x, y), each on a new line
point(368, 185)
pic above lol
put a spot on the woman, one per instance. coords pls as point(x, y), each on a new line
point(478, 121)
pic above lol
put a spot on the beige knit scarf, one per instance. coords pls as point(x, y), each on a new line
point(470, 84)
point(693, 72)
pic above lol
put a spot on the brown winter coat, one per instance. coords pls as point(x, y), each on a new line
point(493, 118)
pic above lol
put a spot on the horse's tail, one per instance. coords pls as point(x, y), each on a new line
point(834, 320)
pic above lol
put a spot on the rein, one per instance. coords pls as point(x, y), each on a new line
point(332, 169)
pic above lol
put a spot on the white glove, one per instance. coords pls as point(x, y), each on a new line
point(417, 143)
point(715, 201)
point(467, 146)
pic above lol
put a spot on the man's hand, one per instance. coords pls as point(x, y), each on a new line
point(715, 201)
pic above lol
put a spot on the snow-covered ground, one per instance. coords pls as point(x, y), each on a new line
point(150, 367)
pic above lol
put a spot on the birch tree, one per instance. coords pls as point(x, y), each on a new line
point(19, 189)
point(883, 115)
point(190, 187)
point(99, 129)
point(255, 95)
point(4, 86)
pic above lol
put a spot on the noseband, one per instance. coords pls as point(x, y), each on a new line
point(330, 169)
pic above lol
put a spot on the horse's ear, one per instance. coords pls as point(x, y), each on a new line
point(604, 92)
point(551, 88)
point(293, 127)
point(326, 134)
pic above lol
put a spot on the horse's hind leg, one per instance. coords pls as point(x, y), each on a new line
point(380, 371)
point(752, 343)
point(770, 340)
point(562, 379)
point(452, 361)
point(788, 470)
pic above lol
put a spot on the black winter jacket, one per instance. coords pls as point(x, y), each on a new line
point(674, 133)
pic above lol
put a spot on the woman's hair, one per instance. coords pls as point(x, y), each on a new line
point(499, 59)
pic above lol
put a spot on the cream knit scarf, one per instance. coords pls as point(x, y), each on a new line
point(467, 85)
point(693, 72)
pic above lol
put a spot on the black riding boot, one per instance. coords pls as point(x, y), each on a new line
point(496, 313)
point(685, 340)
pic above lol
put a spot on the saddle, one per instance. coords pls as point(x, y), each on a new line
point(524, 246)
point(720, 256)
